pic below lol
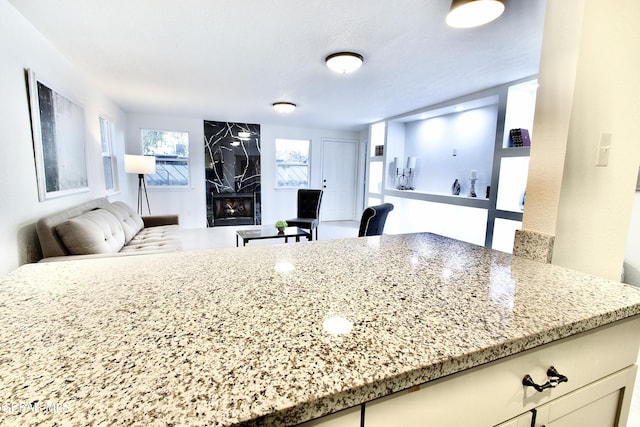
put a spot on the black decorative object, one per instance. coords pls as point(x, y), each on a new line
point(519, 137)
point(455, 188)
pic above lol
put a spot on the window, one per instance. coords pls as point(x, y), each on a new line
point(292, 163)
point(171, 149)
point(108, 159)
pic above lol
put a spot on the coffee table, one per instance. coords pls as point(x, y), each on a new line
point(270, 232)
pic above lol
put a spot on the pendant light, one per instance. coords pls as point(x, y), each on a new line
point(473, 13)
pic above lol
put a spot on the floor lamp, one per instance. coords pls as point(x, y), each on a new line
point(140, 165)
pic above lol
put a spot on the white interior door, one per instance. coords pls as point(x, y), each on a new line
point(339, 165)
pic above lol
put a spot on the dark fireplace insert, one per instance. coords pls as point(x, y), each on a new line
point(233, 208)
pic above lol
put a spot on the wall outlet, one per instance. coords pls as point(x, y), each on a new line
point(604, 147)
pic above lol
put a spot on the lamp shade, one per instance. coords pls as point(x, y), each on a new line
point(344, 62)
point(139, 164)
point(473, 13)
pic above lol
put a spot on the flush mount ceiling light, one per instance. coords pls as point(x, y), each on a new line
point(473, 13)
point(244, 135)
point(284, 107)
point(344, 62)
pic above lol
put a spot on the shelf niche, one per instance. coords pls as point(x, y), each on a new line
point(449, 140)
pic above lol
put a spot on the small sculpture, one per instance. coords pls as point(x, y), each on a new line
point(455, 188)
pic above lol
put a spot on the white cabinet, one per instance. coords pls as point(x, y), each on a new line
point(601, 404)
point(490, 394)
point(523, 420)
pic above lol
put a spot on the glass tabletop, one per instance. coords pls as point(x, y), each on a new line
point(269, 232)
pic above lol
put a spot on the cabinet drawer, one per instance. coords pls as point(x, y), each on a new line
point(602, 403)
point(492, 393)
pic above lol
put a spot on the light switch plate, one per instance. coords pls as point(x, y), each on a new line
point(604, 147)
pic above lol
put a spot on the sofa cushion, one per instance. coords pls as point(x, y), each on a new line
point(163, 238)
point(95, 232)
point(131, 222)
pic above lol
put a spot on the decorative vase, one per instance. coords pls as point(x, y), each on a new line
point(281, 229)
point(455, 188)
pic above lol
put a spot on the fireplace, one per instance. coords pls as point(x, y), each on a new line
point(233, 209)
point(232, 173)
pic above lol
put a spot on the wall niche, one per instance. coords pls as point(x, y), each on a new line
point(232, 173)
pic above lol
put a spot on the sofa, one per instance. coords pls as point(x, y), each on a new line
point(99, 228)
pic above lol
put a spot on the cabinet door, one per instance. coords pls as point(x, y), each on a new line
point(523, 420)
point(603, 403)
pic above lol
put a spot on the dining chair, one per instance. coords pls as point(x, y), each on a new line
point(373, 220)
point(308, 214)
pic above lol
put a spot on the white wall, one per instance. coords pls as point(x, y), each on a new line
point(281, 204)
point(190, 203)
point(632, 256)
point(596, 202)
point(471, 133)
point(588, 85)
point(23, 47)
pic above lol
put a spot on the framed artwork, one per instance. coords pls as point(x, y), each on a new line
point(58, 141)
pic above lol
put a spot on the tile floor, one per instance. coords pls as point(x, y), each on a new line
point(223, 237)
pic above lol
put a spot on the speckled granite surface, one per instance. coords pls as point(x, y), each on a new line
point(223, 337)
point(533, 245)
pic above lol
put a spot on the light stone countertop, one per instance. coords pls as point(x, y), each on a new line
point(229, 336)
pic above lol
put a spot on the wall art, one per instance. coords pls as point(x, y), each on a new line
point(58, 127)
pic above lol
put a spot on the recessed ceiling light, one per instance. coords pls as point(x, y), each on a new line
point(344, 62)
point(284, 107)
point(473, 13)
point(244, 135)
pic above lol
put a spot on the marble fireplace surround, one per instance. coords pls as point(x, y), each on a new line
point(232, 173)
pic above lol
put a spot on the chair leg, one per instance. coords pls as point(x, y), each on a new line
point(316, 233)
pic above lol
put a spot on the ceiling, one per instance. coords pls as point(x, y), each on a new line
point(230, 60)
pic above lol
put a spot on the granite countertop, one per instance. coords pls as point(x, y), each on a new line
point(236, 336)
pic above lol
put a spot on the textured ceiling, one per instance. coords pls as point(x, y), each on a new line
point(230, 60)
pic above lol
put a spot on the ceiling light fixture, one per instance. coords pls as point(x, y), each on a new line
point(344, 62)
point(473, 13)
point(244, 135)
point(284, 107)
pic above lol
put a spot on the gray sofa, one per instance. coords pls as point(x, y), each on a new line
point(100, 228)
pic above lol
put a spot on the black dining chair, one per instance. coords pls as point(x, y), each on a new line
point(373, 220)
point(308, 211)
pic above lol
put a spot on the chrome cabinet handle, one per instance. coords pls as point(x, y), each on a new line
point(555, 378)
